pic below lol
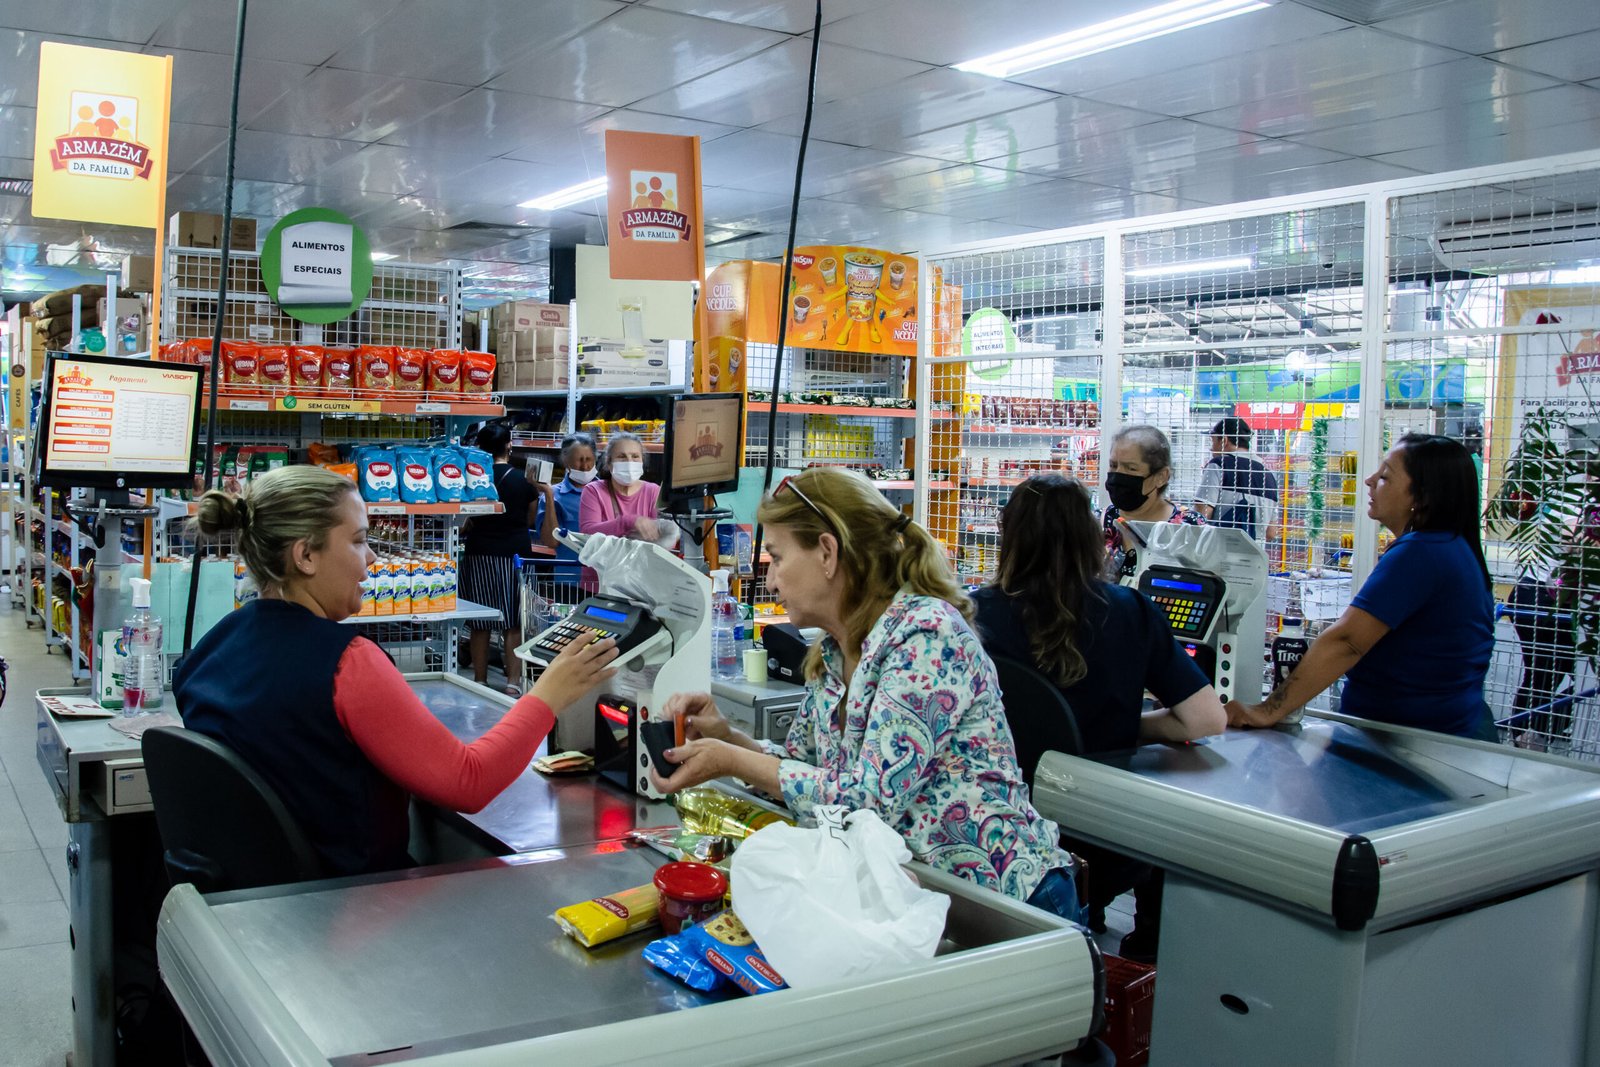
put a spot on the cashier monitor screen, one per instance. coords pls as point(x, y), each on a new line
point(703, 438)
point(119, 423)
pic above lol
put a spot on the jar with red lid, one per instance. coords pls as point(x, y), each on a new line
point(689, 892)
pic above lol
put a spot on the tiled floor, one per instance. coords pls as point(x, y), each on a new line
point(35, 986)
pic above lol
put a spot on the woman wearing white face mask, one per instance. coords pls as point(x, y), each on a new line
point(619, 502)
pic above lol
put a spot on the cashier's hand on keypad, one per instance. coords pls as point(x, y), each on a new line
point(579, 668)
point(700, 715)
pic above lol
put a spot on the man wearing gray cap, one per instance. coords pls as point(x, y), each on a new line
point(1236, 489)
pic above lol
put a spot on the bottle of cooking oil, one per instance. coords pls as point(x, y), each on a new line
point(709, 811)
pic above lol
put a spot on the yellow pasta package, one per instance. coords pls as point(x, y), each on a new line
point(594, 922)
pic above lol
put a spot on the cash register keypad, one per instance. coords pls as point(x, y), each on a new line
point(568, 632)
point(1184, 614)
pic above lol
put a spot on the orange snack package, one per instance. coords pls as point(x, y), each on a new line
point(305, 368)
point(477, 372)
point(444, 371)
point(241, 363)
point(196, 350)
point(375, 367)
point(339, 369)
point(323, 455)
point(172, 352)
point(411, 369)
point(348, 470)
point(273, 366)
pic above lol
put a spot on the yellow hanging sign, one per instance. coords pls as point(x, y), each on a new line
point(100, 135)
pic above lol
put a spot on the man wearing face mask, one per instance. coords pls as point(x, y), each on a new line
point(619, 502)
point(1137, 479)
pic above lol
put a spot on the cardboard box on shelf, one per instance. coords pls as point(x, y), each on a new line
point(513, 346)
point(201, 229)
point(525, 314)
point(553, 342)
point(130, 332)
point(139, 273)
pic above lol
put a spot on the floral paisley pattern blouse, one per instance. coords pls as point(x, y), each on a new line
point(925, 745)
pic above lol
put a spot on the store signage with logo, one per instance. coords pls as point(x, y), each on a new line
point(653, 203)
point(987, 334)
point(317, 265)
point(853, 299)
point(100, 135)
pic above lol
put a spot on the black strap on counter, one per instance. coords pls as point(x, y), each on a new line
point(1355, 883)
point(783, 288)
point(222, 302)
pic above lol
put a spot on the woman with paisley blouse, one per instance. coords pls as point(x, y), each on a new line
point(902, 712)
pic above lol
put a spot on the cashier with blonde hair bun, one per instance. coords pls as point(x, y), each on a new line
point(320, 711)
point(902, 710)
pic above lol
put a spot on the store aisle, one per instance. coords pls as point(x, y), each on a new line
point(35, 983)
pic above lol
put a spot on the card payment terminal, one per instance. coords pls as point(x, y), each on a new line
point(596, 619)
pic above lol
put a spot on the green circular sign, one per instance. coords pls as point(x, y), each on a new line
point(323, 255)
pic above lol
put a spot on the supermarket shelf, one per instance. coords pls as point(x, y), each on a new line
point(335, 405)
point(534, 394)
point(911, 484)
point(171, 508)
point(638, 390)
point(842, 409)
point(1050, 431)
point(438, 307)
point(464, 610)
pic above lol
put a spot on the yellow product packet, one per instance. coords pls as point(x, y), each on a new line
point(594, 922)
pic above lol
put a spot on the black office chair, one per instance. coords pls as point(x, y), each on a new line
point(222, 826)
point(1040, 717)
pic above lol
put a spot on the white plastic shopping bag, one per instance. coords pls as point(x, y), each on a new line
point(832, 902)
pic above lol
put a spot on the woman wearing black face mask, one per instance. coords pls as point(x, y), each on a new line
point(1139, 471)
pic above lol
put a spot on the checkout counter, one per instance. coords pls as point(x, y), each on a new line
point(1348, 893)
point(461, 963)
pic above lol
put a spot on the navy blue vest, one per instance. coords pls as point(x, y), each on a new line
point(1251, 480)
point(261, 682)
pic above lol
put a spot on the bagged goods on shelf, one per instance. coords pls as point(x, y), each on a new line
point(375, 367)
point(411, 369)
point(273, 366)
point(322, 455)
point(416, 476)
point(444, 371)
point(379, 481)
point(348, 470)
point(478, 466)
point(449, 475)
point(241, 363)
point(477, 373)
point(306, 368)
point(339, 368)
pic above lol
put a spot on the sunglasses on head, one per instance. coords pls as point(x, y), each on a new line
point(788, 483)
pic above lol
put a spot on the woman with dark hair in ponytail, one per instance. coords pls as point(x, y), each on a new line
point(902, 710)
point(1414, 644)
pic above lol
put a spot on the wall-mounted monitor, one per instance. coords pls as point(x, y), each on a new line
point(704, 433)
point(118, 423)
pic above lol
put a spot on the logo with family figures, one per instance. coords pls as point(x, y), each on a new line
point(104, 139)
point(706, 443)
point(653, 214)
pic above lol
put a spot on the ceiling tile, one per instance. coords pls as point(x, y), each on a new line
point(198, 150)
point(1547, 107)
point(353, 106)
point(1156, 145)
point(888, 116)
point(1483, 26)
point(1004, 136)
point(785, 16)
point(1454, 85)
point(202, 86)
point(1505, 147)
point(19, 60)
point(772, 84)
point(17, 131)
point(1575, 58)
point(638, 53)
point(511, 181)
point(485, 123)
point(202, 192)
point(292, 31)
point(948, 191)
point(1270, 28)
point(391, 169)
point(126, 21)
point(433, 41)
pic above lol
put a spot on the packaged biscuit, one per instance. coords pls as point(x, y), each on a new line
point(676, 956)
point(416, 476)
point(479, 468)
point(375, 367)
point(594, 922)
point(449, 475)
point(411, 369)
point(338, 369)
point(444, 371)
point(273, 366)
point(241, 364)
point(305, 369)
point(477, 372)
point(379, 481)
point(725, 944)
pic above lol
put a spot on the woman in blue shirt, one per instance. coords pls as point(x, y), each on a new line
point(1414, 644)
point(558, 507)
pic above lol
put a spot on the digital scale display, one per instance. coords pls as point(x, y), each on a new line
point(605, 613)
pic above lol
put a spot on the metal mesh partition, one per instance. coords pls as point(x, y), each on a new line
point(1490, 338)
point(1021, 384)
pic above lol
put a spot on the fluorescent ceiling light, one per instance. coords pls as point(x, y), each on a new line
point(573, 194)
point(382, 257)
point(1104, 36)
point(1197, 266)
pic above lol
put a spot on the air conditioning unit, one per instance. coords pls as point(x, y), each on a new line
point(1520, 242)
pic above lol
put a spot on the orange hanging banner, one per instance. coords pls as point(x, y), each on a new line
point(656, 230)
point(853, 299)
point(100, 135)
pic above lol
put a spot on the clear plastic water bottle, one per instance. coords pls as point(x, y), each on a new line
point(145, 671)
point(1288, 649)
point(724, 620)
